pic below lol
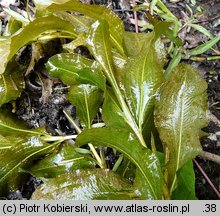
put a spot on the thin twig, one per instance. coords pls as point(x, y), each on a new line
point(135, 17)
point(210, 156)
point(207, 179)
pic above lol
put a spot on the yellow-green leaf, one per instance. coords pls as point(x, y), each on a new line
point(180, 113)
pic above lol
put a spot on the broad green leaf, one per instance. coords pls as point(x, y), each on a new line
point(81, 23)
point(75, 69)
point(11, 83)
point(142, 81)
point(5, 43)
point(87, 99)
point(126, 143)
point(6, 143)
point(119, 63)
point(204, 47)
point(9, 124)
point(32, 32)
point(112, 114)
point(97, 12)
point(99, 45)
point(180, 113)
point(23, 152)
point(96, 184)
point(67, 159)
point(134, 42)
point(186, 183)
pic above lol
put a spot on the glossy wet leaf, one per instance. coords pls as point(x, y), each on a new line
point(134, 42)
point(9, 125)
point(180, 113)
point(112, 113)
point(87, 99)
point(67, 159)
point(96, 184)
point(81, 23)
point(126, 143)
point(100, 46)
point(6, 143)
point(186, 183)
point(5, 43)
point(142, 81)
point(32, 32)
point(11, 83)
point(21, 154)
point(74, 69)
point(96, 12)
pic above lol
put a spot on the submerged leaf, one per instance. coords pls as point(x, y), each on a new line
point(96, 184)
point(126, 143)
point(21, 154)
point(11, 83)
point(87, 99)
point(180, 113)
point(57, 163)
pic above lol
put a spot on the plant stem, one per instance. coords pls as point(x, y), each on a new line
point(92, 148)
point(135, 16)
point(58, 138)
point(118, 163)
point(207, 179)
point(209, 156)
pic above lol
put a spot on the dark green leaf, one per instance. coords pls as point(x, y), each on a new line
point(87, 100)
point(126, 143)
point(11, 83)
point(32, 32)
point(21, 154)
point(9, 124)
point(74, 69)
point(112, 114)
point(101, 48)
point(96, 12)
point(180, 113)
point(185, 183)
point(66, 160)
point(96, 184)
